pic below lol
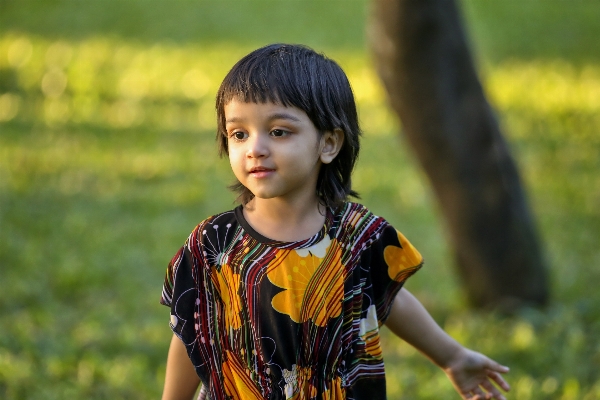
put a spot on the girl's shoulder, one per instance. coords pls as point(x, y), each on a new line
point(214, 226)
point(354, 220)
point(355, 213)
point(222, 218)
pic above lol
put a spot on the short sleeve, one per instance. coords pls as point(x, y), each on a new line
point(393, 260)
point(179, 294)
point(167, 290)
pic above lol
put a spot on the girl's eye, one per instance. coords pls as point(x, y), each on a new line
point(278, 132)
point(239, 135)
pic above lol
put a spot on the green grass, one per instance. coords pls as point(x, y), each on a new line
point(108, 160)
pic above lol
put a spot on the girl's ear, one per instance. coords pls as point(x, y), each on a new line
point(331, 144)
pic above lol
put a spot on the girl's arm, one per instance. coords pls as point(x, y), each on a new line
point(471, 373)
point(181, 380)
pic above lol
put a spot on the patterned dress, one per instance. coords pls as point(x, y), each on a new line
point(263, 319)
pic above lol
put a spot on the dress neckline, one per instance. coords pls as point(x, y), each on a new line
point(317, 237)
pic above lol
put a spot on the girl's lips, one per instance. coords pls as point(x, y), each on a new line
point(261, 172)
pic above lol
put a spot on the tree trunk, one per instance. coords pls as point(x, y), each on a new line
point(423, 58)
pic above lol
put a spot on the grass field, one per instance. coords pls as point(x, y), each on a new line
point(108, 160)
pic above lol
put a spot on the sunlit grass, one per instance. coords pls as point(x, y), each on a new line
point(546, 87)
point(107, 160)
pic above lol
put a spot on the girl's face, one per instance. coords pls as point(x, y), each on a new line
point(275, 151)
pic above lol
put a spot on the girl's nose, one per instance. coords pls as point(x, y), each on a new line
point(257, 146)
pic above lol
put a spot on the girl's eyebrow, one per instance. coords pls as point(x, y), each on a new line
point(284, 116)
point(271, 117)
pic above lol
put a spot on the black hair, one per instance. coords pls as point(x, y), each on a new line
point(297, 76)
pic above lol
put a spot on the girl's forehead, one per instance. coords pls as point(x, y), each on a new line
point(236, 105)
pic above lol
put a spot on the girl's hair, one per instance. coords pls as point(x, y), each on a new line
point(297, 76)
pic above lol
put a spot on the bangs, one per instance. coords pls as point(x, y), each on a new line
point(278, 77)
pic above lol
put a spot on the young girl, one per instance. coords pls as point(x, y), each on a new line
point(283, 297)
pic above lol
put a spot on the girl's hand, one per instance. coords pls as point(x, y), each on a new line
point(473, 374)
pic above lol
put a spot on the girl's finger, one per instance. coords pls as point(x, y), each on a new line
point(492, 391)
point(494, 366)
point(496, 377)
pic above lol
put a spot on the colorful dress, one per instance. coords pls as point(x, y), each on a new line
point(263, 319)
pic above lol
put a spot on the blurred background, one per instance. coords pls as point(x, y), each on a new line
point(108, 160)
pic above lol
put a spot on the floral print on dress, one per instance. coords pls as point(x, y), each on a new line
point(228, 286)
point(236, 380)
point(401, 260)
point(288, 320)
point(369, 333)
point(313, 280)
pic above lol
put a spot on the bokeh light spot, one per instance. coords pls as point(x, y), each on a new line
point(54, 83)
point(9, 106)
point(19, 52)
point(195, 84)
point(59, 55)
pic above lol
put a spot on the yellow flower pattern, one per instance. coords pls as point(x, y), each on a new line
point(236, 379)
point(401, 261)
point(313, 283)
point(228, 285)
point(335, 391)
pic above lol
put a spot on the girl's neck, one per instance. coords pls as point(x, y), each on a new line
point(283, 221)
